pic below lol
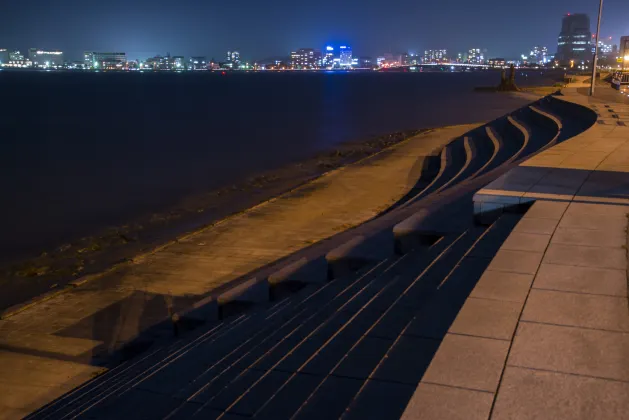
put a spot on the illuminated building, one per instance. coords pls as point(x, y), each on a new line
point(435, 56)
point(605, 50)
point(105, 60)
point(539, 55)
point(497, 62)
point(474, 56)
point(233, 59)
point(624, 52)
point(16, 56)
point(4, 56)
point(328, 58)
point(345, 56)
point(197, 63)
point(42, 58)
point(305, 58)
point(573, 43)
point(177, 62)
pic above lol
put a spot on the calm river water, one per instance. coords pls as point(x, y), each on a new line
point(80, 151)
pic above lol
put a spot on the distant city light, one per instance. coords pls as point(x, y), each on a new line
point(328, 48)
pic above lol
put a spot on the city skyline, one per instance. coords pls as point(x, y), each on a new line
point(258, 32)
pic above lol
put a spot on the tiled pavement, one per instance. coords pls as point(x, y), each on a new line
point(545, 332)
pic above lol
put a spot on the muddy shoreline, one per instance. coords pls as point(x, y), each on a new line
point(54, 269)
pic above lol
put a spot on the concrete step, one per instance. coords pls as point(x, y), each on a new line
point(543, 131)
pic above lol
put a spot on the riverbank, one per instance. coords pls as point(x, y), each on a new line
point(55, 268)
point(69, 337)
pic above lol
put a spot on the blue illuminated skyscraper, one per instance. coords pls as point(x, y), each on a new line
point(345, 56)
point(328, 58)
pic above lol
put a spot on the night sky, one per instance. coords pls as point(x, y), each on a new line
point(261, 29)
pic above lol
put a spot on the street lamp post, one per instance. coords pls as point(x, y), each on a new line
point(598, 31)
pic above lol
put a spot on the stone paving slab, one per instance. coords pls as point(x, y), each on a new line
point(432, 401)
point(468, 362)
point(578, 310)
point(532, 242)
point(523, 262)
point(589, 237)
point(580, 351)
point(602, 281)
point(537, 226)
point(532, 394)
point(586, 256)
point(487, 318)
point(498, 285)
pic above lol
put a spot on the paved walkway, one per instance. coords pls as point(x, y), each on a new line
point(545, 332)
point(54, 345)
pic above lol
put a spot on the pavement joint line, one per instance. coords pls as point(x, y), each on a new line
point(574, 292)
point(402, 333)
point(569, 373)
point(526, 299)
point(16, 309)
point(578, 327)
point(455, 387)
point(584, 245)
point(294, 373)
point(479, 336)
point(430, 265)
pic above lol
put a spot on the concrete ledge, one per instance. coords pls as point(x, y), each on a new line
point(303, 270)
point(410, 234)
point(204, 310)
point(359, 251)
point(251, 291)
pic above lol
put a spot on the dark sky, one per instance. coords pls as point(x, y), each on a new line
point(259, 29)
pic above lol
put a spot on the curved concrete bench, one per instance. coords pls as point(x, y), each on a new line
point(582, 117)
point(487, 150)
point(526, 135)
point(358, 252)
point(512, 138)
point(543, 130)
point(303, 270)
point(469, 152)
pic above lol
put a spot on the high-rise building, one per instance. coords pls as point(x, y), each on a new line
point(573, 43)
point(42, 58)
point(539, 55)
point(435, 56)
point(605, 47)
point(345, 56)
point(233, 58)
point(475, 56)
point(104, 60)
point(305, 58)
point(4, 56)
point(328, 58)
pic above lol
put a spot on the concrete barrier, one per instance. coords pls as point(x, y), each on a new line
point(204, 310)
point(303, 270)
point(358, 252)
point(251, 291)
point(410, 233)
